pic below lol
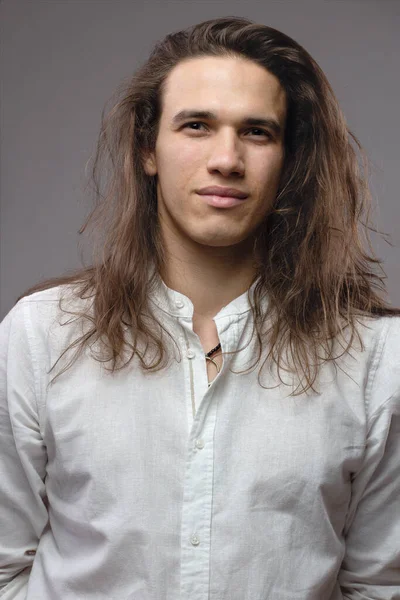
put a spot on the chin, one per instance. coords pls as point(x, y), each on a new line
point(221, 241)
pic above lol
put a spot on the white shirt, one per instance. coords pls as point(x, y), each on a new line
point(154, 486)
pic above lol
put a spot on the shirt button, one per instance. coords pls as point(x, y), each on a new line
point(194, 540)
point(199, 444)
point(190, 354)
point(179, 304)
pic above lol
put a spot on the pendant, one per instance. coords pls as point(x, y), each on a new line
point(213, 361)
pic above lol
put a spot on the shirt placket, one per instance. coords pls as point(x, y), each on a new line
point(198, 483)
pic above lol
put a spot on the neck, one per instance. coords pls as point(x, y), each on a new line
point(209, 287)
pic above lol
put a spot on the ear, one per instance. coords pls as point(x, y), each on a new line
point(149, 164)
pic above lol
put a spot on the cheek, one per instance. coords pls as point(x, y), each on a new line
point(270, 170)
point(191, 156)
point(177, 164)
point(179, 154)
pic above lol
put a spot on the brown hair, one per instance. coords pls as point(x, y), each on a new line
point(311, 260)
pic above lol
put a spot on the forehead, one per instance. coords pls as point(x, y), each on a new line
point(222, 83)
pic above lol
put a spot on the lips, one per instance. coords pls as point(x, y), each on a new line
point(216, 190)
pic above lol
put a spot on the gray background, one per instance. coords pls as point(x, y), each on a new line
point(61, 60)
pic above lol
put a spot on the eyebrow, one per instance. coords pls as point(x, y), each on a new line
point(249, 121)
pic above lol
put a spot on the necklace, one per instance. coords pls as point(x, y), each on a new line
point(208, 357)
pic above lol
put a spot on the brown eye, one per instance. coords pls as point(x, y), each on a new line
point(261, 131)
point(192, 123)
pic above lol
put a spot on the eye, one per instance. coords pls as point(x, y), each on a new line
point(201, 124)
point(262, 131)
point(193, 123)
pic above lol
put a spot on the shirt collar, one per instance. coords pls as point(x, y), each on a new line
point(178, 305)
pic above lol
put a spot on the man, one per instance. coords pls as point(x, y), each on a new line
point(233, 186)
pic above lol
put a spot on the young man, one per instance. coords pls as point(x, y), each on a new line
point(232, 209)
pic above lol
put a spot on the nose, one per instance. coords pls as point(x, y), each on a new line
point(225, 156)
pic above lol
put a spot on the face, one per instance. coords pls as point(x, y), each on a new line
point(223, 148)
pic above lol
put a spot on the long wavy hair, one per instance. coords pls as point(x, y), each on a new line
point(311, 259)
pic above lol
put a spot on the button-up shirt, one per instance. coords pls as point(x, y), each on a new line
point(140, 485)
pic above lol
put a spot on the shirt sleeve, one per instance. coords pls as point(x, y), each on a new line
point(23, 511)
point(371, 566)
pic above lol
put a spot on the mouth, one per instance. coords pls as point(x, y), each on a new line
point(221, 201)
point(225, 192)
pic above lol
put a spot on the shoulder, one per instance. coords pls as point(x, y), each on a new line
point(46, 304)
point(40, 317)
point(381, 337)
point(55, 299)
point(383, 355)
